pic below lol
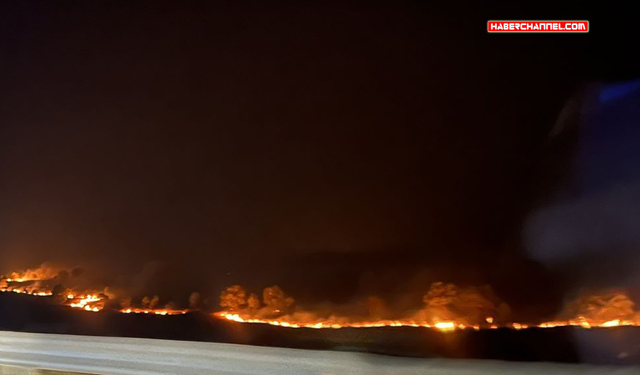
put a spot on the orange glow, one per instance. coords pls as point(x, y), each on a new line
point(447, 308)
point(154, 311)
point(39, 293)
point(447, 326)
point(31, 281)
point(92, 302)
point(44, 272)
point(442, 326)
point(472, 308)
point(15, 286)
point(89, 302)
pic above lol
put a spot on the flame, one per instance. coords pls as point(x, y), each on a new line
point(154, 311)
point(442, 326)
point(587, 323)
point(44, 272)
point(31, 281)
point(39, 293)
point(596, 310)
point(446, 326)
point(447, 307)
point(15, 286)
point(236, 317)
point(88, 302)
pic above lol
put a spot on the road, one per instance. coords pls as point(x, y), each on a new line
point(132, 356)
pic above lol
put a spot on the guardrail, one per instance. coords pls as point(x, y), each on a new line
point(32, 353)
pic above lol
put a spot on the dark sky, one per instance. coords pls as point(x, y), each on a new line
point(227, 139)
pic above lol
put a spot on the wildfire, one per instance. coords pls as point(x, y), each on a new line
point(446, 308)
point(442, 326)
point(88, 302)
point(9, 285)
point(154, 311)
point(329, 324)
point(35, 282)
point(587, 323)
point(32, 282)
point(24, 291)
point(44, 272)
point(607, 310)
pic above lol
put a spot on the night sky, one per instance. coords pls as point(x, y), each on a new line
point(242, 143)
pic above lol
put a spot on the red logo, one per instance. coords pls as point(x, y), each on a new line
point(538, 26)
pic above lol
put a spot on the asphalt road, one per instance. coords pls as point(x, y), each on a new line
point(114, 355)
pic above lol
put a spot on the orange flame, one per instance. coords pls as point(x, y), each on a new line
point(28, 282)
point(88, 302)
point(606, 310)
point(442, 326)
point(154, 311)
point(14, 286)
point(44, 272)
point(39, 293)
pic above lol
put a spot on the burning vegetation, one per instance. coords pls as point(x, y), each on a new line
point(445, 306)
point(149, 305)
point(608, 309)
point(50, 281)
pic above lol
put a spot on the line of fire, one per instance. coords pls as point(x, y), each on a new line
point(446, 307)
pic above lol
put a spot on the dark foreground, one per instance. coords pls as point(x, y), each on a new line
point(24, 353)
point(619, 345)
